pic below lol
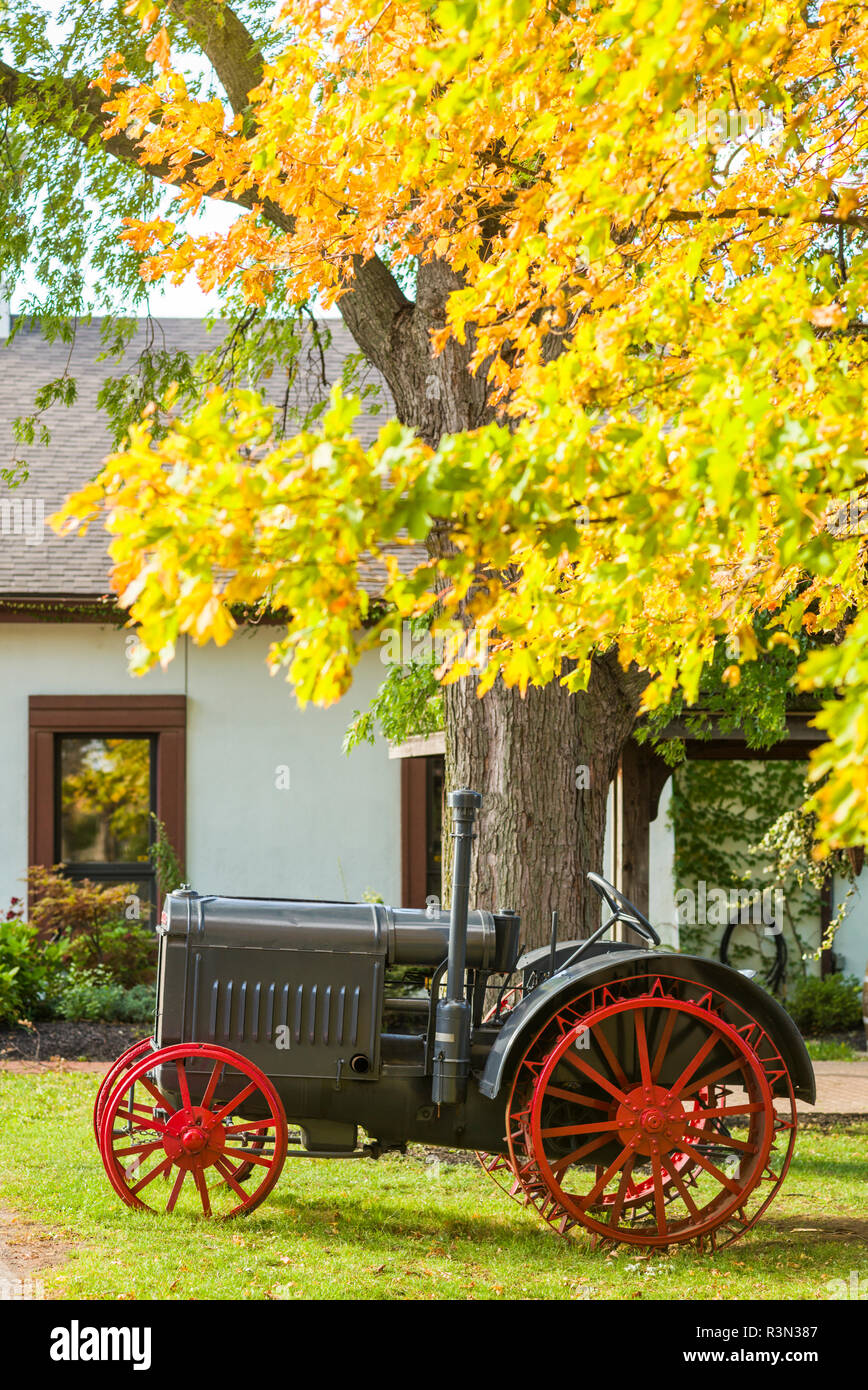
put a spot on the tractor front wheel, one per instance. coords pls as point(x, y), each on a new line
point(213, 1120)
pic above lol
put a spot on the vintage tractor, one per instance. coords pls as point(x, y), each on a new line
point(643, 1096)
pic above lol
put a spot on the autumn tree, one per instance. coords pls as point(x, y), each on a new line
point(610, 260)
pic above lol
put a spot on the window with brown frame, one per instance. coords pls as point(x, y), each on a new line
point(101, 767)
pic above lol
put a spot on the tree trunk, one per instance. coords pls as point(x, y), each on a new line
point(543, 765)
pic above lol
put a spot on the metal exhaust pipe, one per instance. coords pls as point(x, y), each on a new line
point(452, 1017)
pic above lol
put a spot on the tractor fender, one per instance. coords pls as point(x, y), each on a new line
point(529, 1016)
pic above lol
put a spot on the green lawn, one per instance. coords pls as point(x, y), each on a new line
point(398, 1228)
point(828, 1050)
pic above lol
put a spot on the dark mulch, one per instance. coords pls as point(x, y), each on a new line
point(78, 1042)
point(857, 1123)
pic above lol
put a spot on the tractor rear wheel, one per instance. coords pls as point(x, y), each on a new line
point(643, 1112)
point(202, 1134)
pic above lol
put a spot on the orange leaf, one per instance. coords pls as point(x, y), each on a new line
point(157, 50)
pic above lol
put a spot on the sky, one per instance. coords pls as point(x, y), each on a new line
point(165, 300)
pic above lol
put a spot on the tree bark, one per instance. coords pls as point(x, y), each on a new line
point(543, 765)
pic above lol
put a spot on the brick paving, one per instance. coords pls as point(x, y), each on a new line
point(27, 1067)
point(842, 1089)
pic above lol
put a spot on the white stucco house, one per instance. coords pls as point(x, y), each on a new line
point(256, 795)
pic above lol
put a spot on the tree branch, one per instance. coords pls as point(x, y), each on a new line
point(370, 305)
point(53, 100)
point(50, 102)
point(233, 52)
point(72, 108)
point(823, 219)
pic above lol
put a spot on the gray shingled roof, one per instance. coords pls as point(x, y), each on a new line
point(78, 567)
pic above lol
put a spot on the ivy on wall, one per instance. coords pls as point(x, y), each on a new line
point(410, 698)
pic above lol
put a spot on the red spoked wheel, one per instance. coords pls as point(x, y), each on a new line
point(643, 1112)
point(258, 1143)
point(123, 1064)
point(499, 1168)
point(201, 1118)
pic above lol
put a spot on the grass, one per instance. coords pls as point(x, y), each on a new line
point(398, 1228)
point(830, 1050)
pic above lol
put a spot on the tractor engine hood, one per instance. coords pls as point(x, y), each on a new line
point(400, 936)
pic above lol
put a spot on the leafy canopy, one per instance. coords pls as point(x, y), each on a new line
point(667, 309)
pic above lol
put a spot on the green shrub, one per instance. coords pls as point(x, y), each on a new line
point(10, 1008)
point(830, 1005)
point(61, 906)
point(138, 1005)
point(77, 958)
point(89, 923)
point(126, 950)
point(91, 995)
point(28, 971)
point(168, 868)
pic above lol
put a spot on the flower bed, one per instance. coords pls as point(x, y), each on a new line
point(74, 1041)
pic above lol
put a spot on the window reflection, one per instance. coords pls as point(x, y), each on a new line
point(105, 799)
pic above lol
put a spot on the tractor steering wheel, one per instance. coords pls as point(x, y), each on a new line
point(623, 910)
